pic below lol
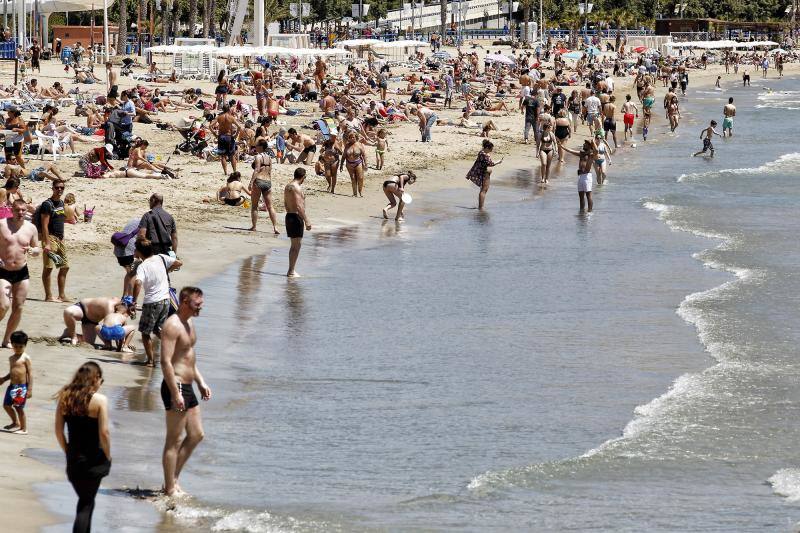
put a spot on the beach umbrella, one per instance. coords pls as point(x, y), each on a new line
point(778, 51)
point(593, 50)
point(640, 49)
point(499, 58)
point(573, 55)
point(563, 50)
point(442, 55)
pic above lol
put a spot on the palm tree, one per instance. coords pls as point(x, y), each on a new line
point(176, 17)
point(442, 15)
point(192, 16)
point(122, 34)
point(274, 10)
point(164, 21)
point(526, 6)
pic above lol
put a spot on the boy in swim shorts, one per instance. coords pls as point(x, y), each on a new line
point(20, 388)
point(114, 328)
point(707, 134)
point(629, 113)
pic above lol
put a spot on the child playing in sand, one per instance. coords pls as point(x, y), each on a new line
point(381, 146)
point(113, 328)
point(20, 388)
point(70, 212)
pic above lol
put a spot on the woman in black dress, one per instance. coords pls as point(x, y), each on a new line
point(88, 449)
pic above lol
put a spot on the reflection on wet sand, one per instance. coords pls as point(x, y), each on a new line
point(144, 396)
point(248, 285)
point(295, 307)
point(390, 228)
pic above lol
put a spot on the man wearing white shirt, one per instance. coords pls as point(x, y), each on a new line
point(152, 276)
point(593, 113)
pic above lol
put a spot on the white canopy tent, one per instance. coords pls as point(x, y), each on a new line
point(20, 8)
point(351, 43)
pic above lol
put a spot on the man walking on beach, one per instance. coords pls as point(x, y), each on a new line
point(18, 237)
point(179, 367)
point(152, 276)
point(158, 227)
point(226, 127)
point(295, 202)
point(52, 217)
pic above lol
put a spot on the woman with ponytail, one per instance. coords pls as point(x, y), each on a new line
point(88, 448)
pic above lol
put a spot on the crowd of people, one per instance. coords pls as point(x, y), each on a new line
point(357, 113)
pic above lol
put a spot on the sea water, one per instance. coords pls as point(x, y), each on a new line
point(526, 368)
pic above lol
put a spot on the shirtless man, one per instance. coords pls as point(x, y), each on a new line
point(225, 126)
point(112, 77)
point(320, 71)
point(300, 142)
point(727, 123)
point(90, 312)
point(609, 122)
point(587, 156)
point(296, 219)
point(179, 367)
point(629, 113)
point(18, 237)
point(328, 104)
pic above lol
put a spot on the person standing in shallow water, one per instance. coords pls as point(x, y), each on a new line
point(88, 450)
point(586, 157)
point(294, 200)
point(481, 171)
point(179, 367)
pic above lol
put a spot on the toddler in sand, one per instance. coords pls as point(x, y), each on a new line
point(20, 388)
point(113, 328)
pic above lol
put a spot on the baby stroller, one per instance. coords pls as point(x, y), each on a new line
point(194, 141)
point(127, 66)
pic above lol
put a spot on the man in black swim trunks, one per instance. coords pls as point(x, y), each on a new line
point(226, 127)
point(18, 237)
point(89, 312)
point(302, 143)
point(179, 367)
point(295, 202)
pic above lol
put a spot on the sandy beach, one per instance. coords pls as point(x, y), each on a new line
point(212, 236)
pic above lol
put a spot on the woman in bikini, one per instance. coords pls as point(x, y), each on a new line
point(261, 186)
point(394, 188)
point(562, 131)
point(603, 158)
point(231, 192)
point(137, 159)
point(329, 160)
point(222, 89)
point(546, 151)
point(355, 159)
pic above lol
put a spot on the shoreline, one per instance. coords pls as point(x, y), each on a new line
point(207, 256)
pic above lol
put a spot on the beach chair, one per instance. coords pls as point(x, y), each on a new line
point(47, 143)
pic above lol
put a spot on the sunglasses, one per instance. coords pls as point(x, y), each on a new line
point(58, 188)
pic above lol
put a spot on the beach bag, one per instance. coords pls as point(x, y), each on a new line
point(122, 239)
point(173, 294)
point(36, 219)
point(94, 171)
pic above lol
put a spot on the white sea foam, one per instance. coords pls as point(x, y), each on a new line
point(685, 388)
point(786, 483)
point(786, 162)
point(199, 517)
